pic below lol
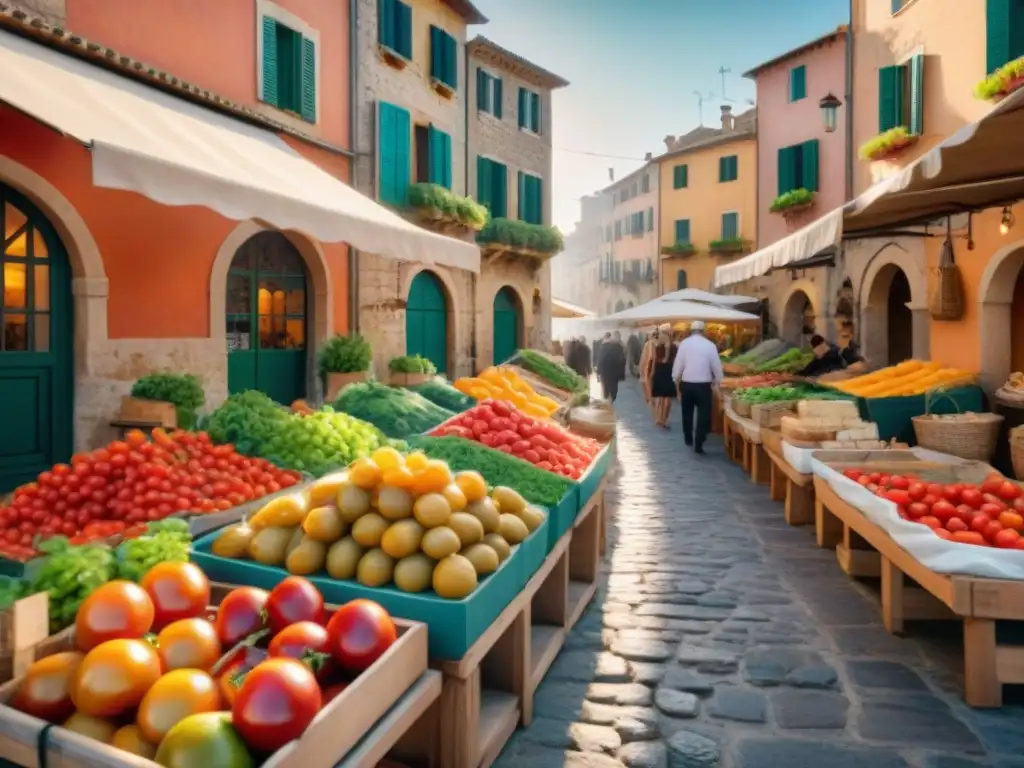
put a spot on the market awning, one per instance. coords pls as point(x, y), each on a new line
point(178, 153)
point(564, 310)
point(706, 297)
point(657, 311)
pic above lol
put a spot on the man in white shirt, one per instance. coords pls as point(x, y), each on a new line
point(696, 367)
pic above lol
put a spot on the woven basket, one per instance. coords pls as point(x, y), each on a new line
point(971, 438)
point(947, 301)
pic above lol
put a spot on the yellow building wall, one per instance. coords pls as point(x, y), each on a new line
point(703, 201)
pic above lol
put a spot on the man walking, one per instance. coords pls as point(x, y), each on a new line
point(696, 367)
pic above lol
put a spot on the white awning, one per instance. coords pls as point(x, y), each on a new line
point(178, 153)
point(706, 297)
point(565, 310)
point(657, 311)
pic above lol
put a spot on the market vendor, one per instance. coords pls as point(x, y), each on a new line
point(826, 358)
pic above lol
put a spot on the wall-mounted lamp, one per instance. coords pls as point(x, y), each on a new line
point(829, 112)
point(1007, 222)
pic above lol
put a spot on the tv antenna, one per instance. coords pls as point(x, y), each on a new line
point(700, 105)
point(723, 71)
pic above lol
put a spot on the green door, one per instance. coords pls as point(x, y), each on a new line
point(36, 347)
point(506, 325)
point(266, 318)
point(426, 320)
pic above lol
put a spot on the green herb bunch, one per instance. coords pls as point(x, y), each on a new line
point(181, 389)
point(345, 354)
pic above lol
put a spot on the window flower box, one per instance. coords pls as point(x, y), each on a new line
point(510, 237)
point(729, 245)
point(1001, 83)
point(392, 58)
point(679, 249)
point(791, 203)
point(442, 88)
point(439, 210)
point(888, 144)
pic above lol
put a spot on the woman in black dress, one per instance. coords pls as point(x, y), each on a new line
point(663, 389)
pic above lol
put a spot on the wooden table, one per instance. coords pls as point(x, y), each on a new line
point(795, 488)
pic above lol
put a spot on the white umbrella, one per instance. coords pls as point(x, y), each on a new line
point(706, 297)
point(661, 311)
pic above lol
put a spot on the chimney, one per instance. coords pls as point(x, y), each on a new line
point(648, 157)
point(670, 143)
point(611, 174)
point(726, 117)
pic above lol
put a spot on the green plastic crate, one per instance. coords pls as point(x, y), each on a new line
point(562, 516)
point(893, 414)
point(591, 480)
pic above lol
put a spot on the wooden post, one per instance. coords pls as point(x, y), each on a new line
point(828, 528)
point(777, 483)
point(982, 687)
point(892, 597)
point(801, 507)
point(760, 465)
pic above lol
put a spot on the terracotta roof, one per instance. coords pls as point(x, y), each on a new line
point(481, 47)
point(841, 30)
point(27, 25)
point(744, 127)
point(466, 10)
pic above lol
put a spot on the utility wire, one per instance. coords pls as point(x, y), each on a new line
point(598, 154)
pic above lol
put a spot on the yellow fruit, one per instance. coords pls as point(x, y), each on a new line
point(454, 577)
point(309, 557)
point(473, 485)
point(282, 512)
point(416, 461)
point(343, 557)
point(365, 473)
point(466, 527)
point(479, 393)
point(440, 542)
point(297, 536)
point(324, 524)
point(484, 558)
point(394, 503)
point(512, 529)
point(508, 501)
point(414, 573)
point(233, 542)
point(432, 510)
point(402, 539)
point(456, 498)
point(369, 529)
point(129, 738)
point(433, 478)
point(399, 477)
point(530, 409)
point(375, 568)
point(499, 545)
point(387, 458)
point(353, 502)
point(325, 490)
point(270, 546)
point(486, 512)
point(96, 728)
point(533, 516)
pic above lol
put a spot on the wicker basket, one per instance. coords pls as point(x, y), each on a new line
point(968, 436)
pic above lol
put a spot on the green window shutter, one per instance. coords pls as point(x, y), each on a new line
point(497, 95)
point(446, 160)
point(723, 166)
point(679, 176)
point(523, 108)
point(535, 121)
point(735, 167)
point(538, 200)
point(482, 91)
point(484, 181)
point(436, 53)
point(395, 126)
point(797, 83)
point(499, 191)
point(730, 225)
point(524, 206)
point(386, 22)
point(439, 165)
point(681, 279)
point(451, 60)
point(917, 94)
point(269, 94)
point(403, 29)
point(809, 165)
point(997, 33)
point(891, 84)
point(308, 80)
point(650, 219)
point(787, 170)
point(682, 230)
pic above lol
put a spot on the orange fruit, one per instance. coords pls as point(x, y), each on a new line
point(387, 458)
point(365, 474)
point(456, 497)
point(473, 485)
point(416, 461)
point(399, 477)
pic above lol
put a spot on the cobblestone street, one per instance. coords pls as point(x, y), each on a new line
point(720, 636)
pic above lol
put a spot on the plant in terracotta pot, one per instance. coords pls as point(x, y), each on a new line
point(409, 370)
point(1001, 83)
point(343, 360)
point(887, 144)
point(168, 399)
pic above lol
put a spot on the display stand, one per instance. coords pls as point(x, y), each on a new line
point(910, 591)
point(796, 488)
point(760, 465)
point(717, 412)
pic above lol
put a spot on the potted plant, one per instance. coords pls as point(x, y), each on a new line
point(343, 360)
point(1001, 83)
point(509, 236)
point(164, 399)
point(887, 144)
point(445, 211)
point(681, 248)
point(792, 202)
point(728, 245)
point(410, 370)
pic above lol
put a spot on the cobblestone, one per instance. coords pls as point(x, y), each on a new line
point(722, 638)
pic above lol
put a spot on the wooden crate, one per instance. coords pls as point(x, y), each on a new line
point(25, 635)
point(770, 414)
point(910, 591)
point(793, 487)
point(135, 409)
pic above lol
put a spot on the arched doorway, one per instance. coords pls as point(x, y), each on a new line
point(507, 322)
point(266, 318)
point(426, 320)
point(890, 320)
point(36, 344)
point(1001, 310)
point(797, 318)
point(619, 306)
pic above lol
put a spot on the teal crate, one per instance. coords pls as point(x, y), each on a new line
point(591, 481)
point(893, 414)
point(562, 516)
point(453, 625)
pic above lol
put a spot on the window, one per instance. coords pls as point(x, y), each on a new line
point(529, 110)
point(798, 167)
point(901, 96)
point(627, 226)
point(439, 157)
point(728, 168)
point(608, 233)
point(682, 230)
point(798, 83)
point(444, 58)
point(637, 225)
point(1004, 34)
point(394, 135)
point(650, 219)
point(730, 225)
point(488, 92)
point(645, 184)
point(618, 230)
point(492, 187)
point(531, 199)
point(896, 5)
point(680, 279)
point(394, 27)
point(679, 177)
point(288, 69)
point(632, 190)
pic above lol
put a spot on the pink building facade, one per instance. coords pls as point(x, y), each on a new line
point(793, 149)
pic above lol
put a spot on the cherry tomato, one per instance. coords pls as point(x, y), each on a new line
point(178, 591)
point(240, 614)
point(129, 738)
point(307, 642)
point(295, 599)
point(44, 691)
point(943, 510)
point(992, 483)
point(943, 533)
point(970, 537)
point(956, 524)
point(174, 697)
point(275, 704)
point(359, 633)
point(188, 644)
point(113, 677)
point(1007, 538)
point(116, 610)
point(972, 497)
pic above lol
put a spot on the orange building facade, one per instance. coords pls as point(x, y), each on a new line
point(103, 286)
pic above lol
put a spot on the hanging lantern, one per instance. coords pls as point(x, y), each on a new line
point(829, 112)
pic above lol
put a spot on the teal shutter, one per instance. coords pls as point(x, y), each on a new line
point(482, 91)
point(523, 108)
point(535, 112)
point(682, 230)
point(730, 226)
point(394, 153)
point(436, 54)
point(650, 219)
point(403, 31)
point(451, 61)
point(997, 33)
point(446, 160)
point(787, 170)
point(496, 88)
point(499, 192)
point(538, 200)
point(308, 80)
point(386, 23)
point(524, 206)
point(435, 152)
point(723, 163)
point(809, 165)
point(681, 279)
point(917, 94)
point(269, 94)
point(484, 182)
point(891, 83)
point(797, 83)
point(679, 176)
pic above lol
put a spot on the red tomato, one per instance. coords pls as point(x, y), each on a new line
point(935, 489)
point(943, 533)
point(917, 491)
point(899, 482)
point(992, 483)
point(970, 537)
point(1006, 539)
point(956, 524)
point(305, 641)
point(359, 633)
point(276, 703)
point(178, 591)
point(902, 498)
point(295, 599)
point(991, 511)
point(332, 692)
point(116, 610)
point(991, 498)
point(853, 474)
point(1018, 504)
point(971, 496)
point(1012, 520)
point(979, 523)
point(917, 509)
point(965, 513)
point(992, 530)
point(864, 480)
point(943, 510)
point(930, 521)
point(1019, 544)
point(44, 692)
point(951, 493)
point(240, 614)
point(930, 498)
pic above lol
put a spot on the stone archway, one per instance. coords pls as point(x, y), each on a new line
point(996, 313)
point(888, 331)
point(793, 327)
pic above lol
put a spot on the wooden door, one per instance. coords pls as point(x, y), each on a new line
point(426, 320)
point(507, 322)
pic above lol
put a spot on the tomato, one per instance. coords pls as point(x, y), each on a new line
point(935, 489)
point(1019, 544)
point(853, 474)
point(275, 704)
point(188, 644)
point(979, 523)
point(917, 491)
point(1012, 520)
point(113, 677)
point(44, 691)
point(901, 498)
point(951, 493)
point(899, 482)
point(295, 599)
point(971, 496)
point(178, 591)
point(96, 728)
point(957, 524)
point(917, 509)
point(970, 537)
point(943, 510)
point(205, 739)
point(116, 610)
point(174, 697)
point(1006, 538)
point(930, 521)
point(943, 533)
point(990, 498)
point(993, 482)
point(129, 738)
point(359, 633)
point(240, 614)
point(864, 480)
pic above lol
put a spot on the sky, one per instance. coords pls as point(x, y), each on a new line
point(634, 67)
